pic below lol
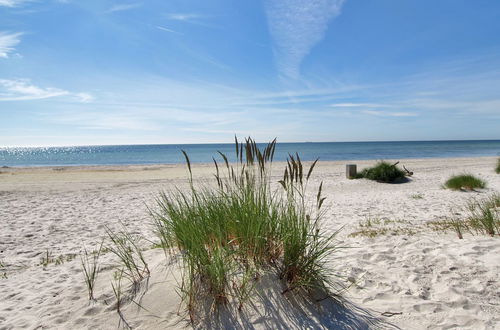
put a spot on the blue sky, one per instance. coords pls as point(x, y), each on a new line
point(184, 71)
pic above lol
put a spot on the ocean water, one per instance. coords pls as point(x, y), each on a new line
point(203, 153)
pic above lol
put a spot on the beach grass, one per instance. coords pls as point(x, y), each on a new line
point(464, 182)
point(90, 267)
point(382, 172)
point(372, 227)
point(459, 226)
point(48, 258)
point(127, 248)
point(118, 292)
point(417, 196)
point(482, 217)
point(3, 271)
point(497, 169)
point(243, 225)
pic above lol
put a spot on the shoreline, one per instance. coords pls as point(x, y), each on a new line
point(148, 166)
point(163, 173)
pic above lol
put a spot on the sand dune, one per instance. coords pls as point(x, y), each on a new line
point(411, 277)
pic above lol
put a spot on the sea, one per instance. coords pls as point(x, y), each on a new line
point(203, 153)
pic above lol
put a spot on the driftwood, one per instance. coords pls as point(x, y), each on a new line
point(408, 173)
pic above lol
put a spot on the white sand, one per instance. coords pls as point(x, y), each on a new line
point(431, 280)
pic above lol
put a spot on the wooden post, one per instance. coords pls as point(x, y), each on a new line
point(350, 171)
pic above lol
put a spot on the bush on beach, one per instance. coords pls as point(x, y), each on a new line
point(497, 170)
point(383, 172)
point(243, 226)
point(464, 182)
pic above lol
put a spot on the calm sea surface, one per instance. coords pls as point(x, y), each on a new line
point(202, 153)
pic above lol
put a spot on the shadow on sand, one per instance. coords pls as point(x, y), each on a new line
point(270, 309)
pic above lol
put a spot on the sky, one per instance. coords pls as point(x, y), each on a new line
point(195, 71)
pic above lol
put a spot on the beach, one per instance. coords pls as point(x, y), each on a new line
point(405, 275)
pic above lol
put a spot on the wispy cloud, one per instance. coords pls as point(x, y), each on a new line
point(389, 114)
point(123, 7)
point(191, 18)
point(12, 3)
point(23, 90)
point(84, 97)
point(167, 29)
point(358, 105)
point(183, 16)
point(103, 121)
point(18, 90)
point(8, 42)
point(296, 26)
point(148, 119)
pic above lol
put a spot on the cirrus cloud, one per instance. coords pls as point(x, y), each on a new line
point(24, 90)
point(8, 41)
point(12, 3)
point(123, 7)
point(296, 26)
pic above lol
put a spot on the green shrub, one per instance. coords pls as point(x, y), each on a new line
point(497, 170)
point(383, 172)
point(464, 182)
point(232, 232)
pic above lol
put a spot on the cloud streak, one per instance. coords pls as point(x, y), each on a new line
point(389, 114)
point(24, 90)
point(190, 18)
point(168, 30)
point(8, 42)
point(186, 17)
point(358, 105)
point(296, 26)
point(12, 3)
point(123, 7)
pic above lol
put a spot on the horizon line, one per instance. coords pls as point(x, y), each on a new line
point(232, 143)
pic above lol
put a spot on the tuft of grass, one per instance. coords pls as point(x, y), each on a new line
point(483, 217)
point(90, 268)
point(383, 172)
point(417, 196)
point(373, 227)
point(127, 248)
point(47, 258)
point(116, 285)
point(459, 226)
point(244, 287)
point(497, 169)
point(243, 225)
point(464, 182)
point(3, 272)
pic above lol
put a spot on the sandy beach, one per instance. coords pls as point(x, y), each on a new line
point(407, 276)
